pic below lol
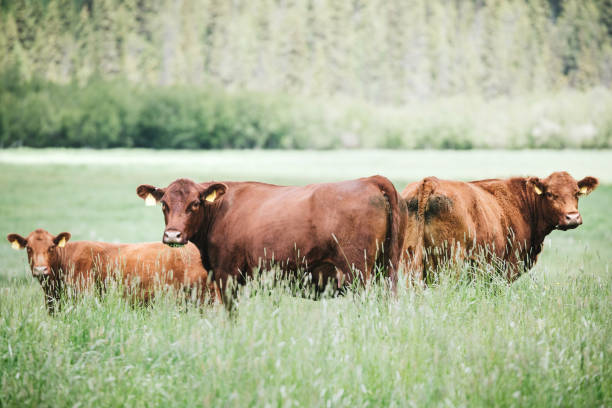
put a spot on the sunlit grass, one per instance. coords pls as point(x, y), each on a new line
point(543, 341)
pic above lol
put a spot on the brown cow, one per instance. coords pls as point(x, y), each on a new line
point(57, 263)
point(504, 220)
point(332, 230)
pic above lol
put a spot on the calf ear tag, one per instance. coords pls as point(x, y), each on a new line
point(150, 200)
point(62, 243)
point(537, 190)
point(211, 197)
point(15, 245)
point(584, 190)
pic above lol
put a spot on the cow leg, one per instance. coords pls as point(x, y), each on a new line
point(206, 294)
point(414, 267)
point(362, 262)
point(324, 275)
point(52, 304)
point(350, 266)
point(227, 286)
point(52, 292)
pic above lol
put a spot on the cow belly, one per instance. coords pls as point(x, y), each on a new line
point(446, 242)
point(346, 232)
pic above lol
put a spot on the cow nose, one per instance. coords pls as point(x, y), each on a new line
point(172, 237)
point(573, 218)
point(40, 270)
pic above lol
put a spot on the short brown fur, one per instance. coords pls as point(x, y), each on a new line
point(508, 219)
point(144, 266)
point(326, 229)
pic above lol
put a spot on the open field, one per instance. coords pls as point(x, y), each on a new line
point(543, 341)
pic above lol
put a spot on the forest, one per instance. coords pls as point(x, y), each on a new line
point(306, 73)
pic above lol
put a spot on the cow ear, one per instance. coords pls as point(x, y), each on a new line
point(150, 194)
point(536, 184)
point(213, 192)
point(61, 239)
point(17, 241)
point(587, 184)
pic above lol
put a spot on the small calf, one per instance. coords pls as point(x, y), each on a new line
point(57, 263)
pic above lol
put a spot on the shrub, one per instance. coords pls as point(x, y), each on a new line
point(107, 114)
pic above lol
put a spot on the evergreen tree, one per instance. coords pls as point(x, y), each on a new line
point(85, 56)
point(387, 51)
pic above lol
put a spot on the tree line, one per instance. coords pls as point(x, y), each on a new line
point(304, 73)
point(387, 51)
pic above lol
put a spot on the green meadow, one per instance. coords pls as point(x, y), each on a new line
point(545, 340)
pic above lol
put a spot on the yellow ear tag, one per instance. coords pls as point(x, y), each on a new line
point(150, 200)
point(15, 245)
point(537, 190)
point(62, 243)
point(211, 197)
point(584, 190)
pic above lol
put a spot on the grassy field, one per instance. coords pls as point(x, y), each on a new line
point(543, 341)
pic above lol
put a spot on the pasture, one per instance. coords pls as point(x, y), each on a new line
point(542, 341)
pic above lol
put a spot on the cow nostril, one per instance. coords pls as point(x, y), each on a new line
point(572, 216)
point(40, 269)
point(172, 236)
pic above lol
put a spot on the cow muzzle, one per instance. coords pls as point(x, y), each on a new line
point(40, 270)
point(570, 221)
point(174, 238)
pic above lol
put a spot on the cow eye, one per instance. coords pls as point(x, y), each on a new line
point(164, 206)
point(548, 194)
point(195, 206)
point(51, 248)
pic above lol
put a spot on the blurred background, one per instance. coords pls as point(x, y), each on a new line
point(209, 74)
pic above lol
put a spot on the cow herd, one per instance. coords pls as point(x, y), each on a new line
point(335, 233)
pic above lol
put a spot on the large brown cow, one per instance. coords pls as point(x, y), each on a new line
point(504, 220)
point(57, 263)
point(332, 230)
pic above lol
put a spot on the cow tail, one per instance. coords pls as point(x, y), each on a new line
point(396, 230)
point(424, 192)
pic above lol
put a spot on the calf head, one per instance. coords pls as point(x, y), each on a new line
point(559, 194)
point(42, 248)
point(186, 206)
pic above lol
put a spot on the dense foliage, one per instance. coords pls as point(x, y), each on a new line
point(117, 113)
point(218, 74)
point(388, 51)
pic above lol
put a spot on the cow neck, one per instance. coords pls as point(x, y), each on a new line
point(201, 237)
point(61, 264)
point(537, 224)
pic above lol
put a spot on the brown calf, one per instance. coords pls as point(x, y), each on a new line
point(503, 219)
point(57, 263)
point(332, 230)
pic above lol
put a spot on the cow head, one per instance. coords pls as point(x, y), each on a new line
point(42, 248)
point(559, 195)
point(185, 205)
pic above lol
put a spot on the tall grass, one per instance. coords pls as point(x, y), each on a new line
point(544, 341)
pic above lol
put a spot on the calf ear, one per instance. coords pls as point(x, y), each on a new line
point(61, 239)
point(17, 241)
point(150, 194)
point(536, 184)
point(587, 184)
point(213, 192)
